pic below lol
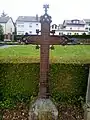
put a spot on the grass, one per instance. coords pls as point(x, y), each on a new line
point(61, 54)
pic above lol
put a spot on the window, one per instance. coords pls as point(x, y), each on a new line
point(20, 25)
point(11, 29)
point(83, 33)
point(68, 33)
point(30, 32)
point(55, 26)
point(30, 25)
point(86, 28)
point(36, 24)
point(60, 33)
point(89, 29)
point(20, 32)
point(76, 33)
point(75, 21)
point(70, 28)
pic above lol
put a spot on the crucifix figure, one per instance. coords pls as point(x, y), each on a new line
point(43, 103)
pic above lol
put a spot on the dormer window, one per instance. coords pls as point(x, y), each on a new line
point(55, 26)
point(75, 21)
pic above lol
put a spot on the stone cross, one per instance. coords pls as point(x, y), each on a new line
point(45, 40)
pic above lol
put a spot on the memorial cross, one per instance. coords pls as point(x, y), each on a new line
point(45, 40)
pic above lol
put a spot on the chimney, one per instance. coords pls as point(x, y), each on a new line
point(37, 17)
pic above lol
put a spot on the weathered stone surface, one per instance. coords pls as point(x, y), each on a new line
point(87, 114)
point(87, 105)
point(43, 109)
point(88, 88)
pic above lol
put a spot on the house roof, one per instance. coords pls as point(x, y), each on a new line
point(73, 22)
point(28, 19)
point(4, 19)
point(87, 20)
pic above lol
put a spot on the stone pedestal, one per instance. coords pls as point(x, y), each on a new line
point(87, 112)
point(87, 105)
point(43, 109)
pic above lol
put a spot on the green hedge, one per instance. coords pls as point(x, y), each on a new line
point(68, 82)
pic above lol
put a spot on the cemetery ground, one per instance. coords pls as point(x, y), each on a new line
point(71, 54)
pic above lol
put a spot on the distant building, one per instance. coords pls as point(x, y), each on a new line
point(71, 27)
point(27, 24)
point(87, 25)
point(8, 26)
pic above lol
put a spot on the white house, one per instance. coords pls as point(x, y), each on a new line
point(71, 27)
point(87, 25)
point(27, 24)
point(8, 26)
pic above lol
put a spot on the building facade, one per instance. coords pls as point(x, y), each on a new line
point(8, 26)
point(87, 25)
point(27, 24)
point(71, 27)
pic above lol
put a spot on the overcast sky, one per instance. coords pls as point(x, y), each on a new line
point(59, 9)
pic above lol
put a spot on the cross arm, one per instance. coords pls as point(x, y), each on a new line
point(56, 40)
point(32, 39)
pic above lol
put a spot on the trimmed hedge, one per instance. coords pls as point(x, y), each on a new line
point(68, 82)
point(19, 82)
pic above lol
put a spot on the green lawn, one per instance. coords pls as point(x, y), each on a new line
point(62, 54)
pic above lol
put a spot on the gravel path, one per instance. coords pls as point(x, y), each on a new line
point(65, 113)
point(7, 46)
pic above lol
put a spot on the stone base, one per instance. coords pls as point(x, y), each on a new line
point(87, 114)
point(86, 108)
point(43, 109)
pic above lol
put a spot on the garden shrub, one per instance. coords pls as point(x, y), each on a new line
point(19, 82)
